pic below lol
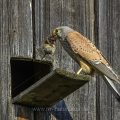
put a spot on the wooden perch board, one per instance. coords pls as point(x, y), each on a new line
point(51, 88)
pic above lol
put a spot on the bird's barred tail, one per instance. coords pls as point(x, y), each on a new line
point(112, 86)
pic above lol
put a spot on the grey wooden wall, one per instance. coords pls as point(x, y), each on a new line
point(23, 26)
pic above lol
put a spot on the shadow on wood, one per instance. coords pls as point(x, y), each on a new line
point(34, 83)
point(25, 72)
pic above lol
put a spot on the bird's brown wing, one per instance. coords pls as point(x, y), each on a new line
point(88, 51)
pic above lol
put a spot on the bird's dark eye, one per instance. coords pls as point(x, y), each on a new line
point(56, 31)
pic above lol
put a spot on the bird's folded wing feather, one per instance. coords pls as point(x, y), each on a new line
point(112, 86)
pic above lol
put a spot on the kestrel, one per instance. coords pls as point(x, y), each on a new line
point(85, 53)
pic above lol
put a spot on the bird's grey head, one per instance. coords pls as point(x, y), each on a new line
point(60, 33)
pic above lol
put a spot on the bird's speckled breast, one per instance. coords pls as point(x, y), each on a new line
point(67, 47)
point(86, 68)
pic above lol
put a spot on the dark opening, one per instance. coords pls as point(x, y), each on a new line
point(25, 72)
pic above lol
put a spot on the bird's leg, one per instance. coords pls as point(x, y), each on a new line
point(78, 72)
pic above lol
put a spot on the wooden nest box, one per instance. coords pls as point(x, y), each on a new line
point(35, 83)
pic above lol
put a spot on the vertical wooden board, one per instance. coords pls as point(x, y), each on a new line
point(104, 95)
point(21, 38)
point(42, 30)
point(115, 56)
point(42, 27)
point(109, 18)
point(21, 43)
point(61, 10)
point(77, 14)
point(5, 98)
point(100, 42)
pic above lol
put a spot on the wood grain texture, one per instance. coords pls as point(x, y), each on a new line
point(109, 27)
point(5, 97)
point(20, 43)
point(21, 38)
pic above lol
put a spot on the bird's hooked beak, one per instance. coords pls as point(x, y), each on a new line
point(57, 33)
point(54, 36)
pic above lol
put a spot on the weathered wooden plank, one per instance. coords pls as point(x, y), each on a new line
point(5, 96)
point(115, 29)
point(21, 38)
point(21, 42)
point(44, 94)
point(41, 31)
point(108, 35)
point(41, 23)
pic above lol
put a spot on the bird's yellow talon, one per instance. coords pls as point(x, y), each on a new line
point(78, 72)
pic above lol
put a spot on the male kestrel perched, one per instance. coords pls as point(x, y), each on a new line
point(85, 53)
